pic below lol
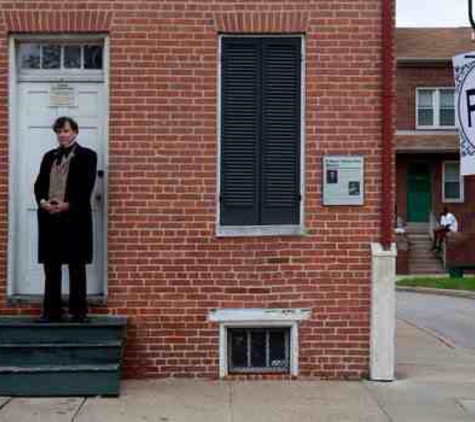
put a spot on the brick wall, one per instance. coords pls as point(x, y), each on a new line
point(408, 78)
point(166, 268)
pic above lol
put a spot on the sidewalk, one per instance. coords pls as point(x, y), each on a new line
point(434, 383)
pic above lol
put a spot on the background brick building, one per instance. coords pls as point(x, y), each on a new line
point(152, 85)
point(427, 143)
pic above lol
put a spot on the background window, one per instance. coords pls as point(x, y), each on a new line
point(446, 109)
point(425, 109)
point(452, 182)
point(260, 131)
point(435, 108)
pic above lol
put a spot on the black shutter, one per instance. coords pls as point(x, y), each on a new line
point(260, 131)
point(280, 142)
point(240, 115)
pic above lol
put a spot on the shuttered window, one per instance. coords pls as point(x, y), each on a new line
point(260, 131)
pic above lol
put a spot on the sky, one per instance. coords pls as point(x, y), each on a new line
point(429, 13)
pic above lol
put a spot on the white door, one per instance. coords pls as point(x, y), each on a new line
point(39, 104)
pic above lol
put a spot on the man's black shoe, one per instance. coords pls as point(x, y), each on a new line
point(46, 319)
point(80, 319)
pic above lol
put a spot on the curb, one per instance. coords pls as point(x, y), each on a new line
point(442, 292)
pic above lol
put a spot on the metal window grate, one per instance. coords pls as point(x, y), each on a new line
point(258, 350)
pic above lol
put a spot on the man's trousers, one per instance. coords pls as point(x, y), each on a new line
point(52, 306)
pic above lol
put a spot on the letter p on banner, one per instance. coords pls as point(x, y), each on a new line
point(464, 71)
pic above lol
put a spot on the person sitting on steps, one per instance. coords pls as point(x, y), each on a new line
point(447, 223)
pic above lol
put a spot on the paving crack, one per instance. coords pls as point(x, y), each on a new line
point(375, 398)
point(78, 410)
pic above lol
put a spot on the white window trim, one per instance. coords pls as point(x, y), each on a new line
point(435, 107)
point(264, 230)
point(461, 197)
point(258, 318)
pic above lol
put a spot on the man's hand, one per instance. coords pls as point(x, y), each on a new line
point(61, 207)
point(54, 207)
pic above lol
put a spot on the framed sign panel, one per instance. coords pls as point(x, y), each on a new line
point(343, 180)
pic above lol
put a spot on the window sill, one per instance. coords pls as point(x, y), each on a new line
point(453, 201)
point(258, 315)
point(273, 230)
point(437, 128)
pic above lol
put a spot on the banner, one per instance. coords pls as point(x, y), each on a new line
point(464, 71)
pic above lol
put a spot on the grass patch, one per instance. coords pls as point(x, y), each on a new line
point(465, 283)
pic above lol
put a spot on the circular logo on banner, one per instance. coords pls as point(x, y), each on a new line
point(466, 106)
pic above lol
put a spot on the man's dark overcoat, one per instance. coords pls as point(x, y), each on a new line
point(67, 237)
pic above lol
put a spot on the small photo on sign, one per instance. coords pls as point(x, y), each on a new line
point(332, 176)
point(354, 188)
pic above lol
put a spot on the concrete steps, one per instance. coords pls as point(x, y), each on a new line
point(61, 359)
point(421, 259)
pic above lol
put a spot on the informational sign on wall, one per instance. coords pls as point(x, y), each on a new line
point(343, 180)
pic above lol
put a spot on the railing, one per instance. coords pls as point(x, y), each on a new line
point(432, 224)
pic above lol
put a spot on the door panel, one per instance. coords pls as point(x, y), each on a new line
point(418, 193)
point(36, 116)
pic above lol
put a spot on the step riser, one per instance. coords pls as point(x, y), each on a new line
point(421, 259)
point(61, 359)
point(39, 356)
point(58, 333)
point(426, 270)
point(60, 384)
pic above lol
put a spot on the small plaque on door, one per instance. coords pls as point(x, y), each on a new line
point(62, 95)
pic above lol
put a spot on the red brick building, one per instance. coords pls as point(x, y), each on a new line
point(211, 121)
point(426, 142)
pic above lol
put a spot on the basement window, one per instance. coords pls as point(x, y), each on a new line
point(257, 340)
point(258, 350)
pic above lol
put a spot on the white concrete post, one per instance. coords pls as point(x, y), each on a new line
point(383, 313)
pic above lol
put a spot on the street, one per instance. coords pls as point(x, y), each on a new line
point(452, 318)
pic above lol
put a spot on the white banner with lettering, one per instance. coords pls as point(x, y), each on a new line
point(464, 71)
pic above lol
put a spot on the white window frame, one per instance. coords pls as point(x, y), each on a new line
point(262, 230)
point(258, 318)
point(435, 108)
point(461, 197)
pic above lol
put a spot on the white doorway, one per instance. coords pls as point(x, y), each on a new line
point(43, 93)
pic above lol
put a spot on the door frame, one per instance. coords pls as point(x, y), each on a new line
point(431, 195)
point(13, 133)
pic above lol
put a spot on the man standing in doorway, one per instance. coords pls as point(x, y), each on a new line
point(63, 192)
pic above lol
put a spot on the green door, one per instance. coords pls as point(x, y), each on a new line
point(418, 193)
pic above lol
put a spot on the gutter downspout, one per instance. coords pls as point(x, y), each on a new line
point(387, 124)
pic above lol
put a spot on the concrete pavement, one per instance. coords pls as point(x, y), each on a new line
point(434, 383)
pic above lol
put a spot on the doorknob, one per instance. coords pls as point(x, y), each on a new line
point(100, 173)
